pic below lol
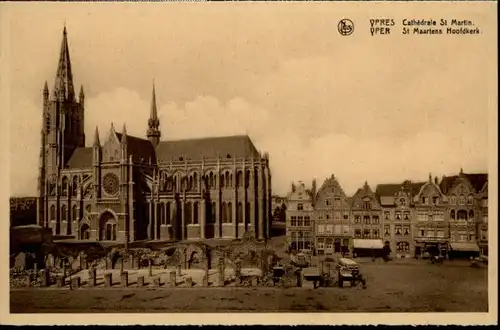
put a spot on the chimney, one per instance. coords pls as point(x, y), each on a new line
point(293, 187)
point(313, 192)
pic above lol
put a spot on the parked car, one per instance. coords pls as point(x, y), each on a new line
point(349, 270)
point(301, 260)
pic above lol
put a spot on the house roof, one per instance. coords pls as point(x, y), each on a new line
point(447, 182)
point(415, 187)
point(386, 192)
point(387, 189)
point(238, 146)
point(81, 158)
point(477, 181)
point(140, 149)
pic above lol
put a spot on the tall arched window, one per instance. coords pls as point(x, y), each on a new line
point(214, 214)
point(471, 215)
point(229, 212)
point(228, 184)
point(240, 213)
point(188, 213)
point(190, 183)
point(195, 213)
point(85, 231)
point(168, 213)
point(239, 179)
point(185, 183)
point(247, 178)
point(64, 213)
point(470, 200)
point(222, 181)
point(74, 185)
point(247, 211)
point(168, 183)
point(53, 212)
point(452, 215)
point(208, 212)
point(211, 181)
point(74, 214)
point(65, 186)
point(224, 213)
point(161, 213)
point(462, 215)
point(174, 187)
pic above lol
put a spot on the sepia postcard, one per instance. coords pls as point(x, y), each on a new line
point(241, 163)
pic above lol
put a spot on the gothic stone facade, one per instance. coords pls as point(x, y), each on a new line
point(129, 188)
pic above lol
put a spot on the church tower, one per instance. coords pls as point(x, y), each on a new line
point(153, 132)
point(63, 114)
point(63, 127)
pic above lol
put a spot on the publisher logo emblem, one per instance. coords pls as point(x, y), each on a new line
point(346, 27)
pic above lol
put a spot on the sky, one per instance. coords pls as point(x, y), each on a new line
point(377, 109)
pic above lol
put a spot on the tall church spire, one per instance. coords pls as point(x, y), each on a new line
point(63, 86)
point(153, 132)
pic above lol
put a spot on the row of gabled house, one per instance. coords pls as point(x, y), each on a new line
point(447, 217)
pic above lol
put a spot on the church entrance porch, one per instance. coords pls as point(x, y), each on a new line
point(85, 232)
point(107, 227)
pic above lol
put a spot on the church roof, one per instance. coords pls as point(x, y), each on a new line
point(140, 149)
point(238, 146)
point(81, 158)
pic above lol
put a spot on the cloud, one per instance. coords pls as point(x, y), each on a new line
point(25, 118)
point(294, 154)
point(363, 108)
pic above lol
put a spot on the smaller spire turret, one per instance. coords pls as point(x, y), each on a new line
point(42, 147)
point(96, 137)
point(153, 132)
point(81, 97)
point(46, 91)
point(124, 134)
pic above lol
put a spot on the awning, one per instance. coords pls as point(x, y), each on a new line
point(465, 247)
point(368, 243)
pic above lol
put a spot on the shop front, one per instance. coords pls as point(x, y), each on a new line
point(331, 245)
point(367, 247)
point(463, 250)
point(426, 248)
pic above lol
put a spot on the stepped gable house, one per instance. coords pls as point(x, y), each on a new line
point(128, 188)
point(397, 201)
point(332, 210)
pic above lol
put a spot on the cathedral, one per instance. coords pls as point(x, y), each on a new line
point(125, 188)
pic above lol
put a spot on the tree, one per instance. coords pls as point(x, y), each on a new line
point(282, 214)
